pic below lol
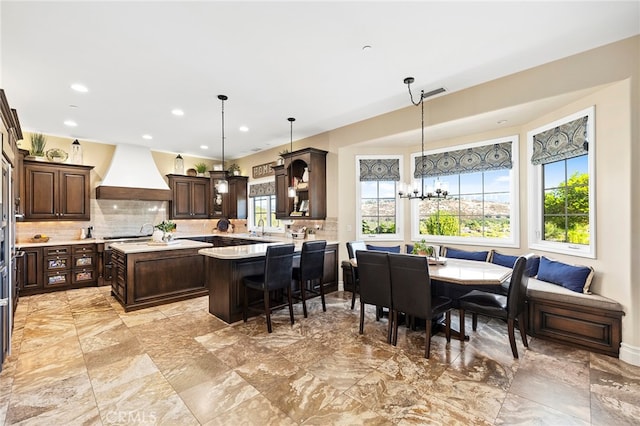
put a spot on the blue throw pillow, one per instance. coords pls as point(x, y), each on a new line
point(575, 278)
point(468, 255)
point(409, 248)
point(504, 259)
point(392, 249)
point(533, 263)
point(508, 261)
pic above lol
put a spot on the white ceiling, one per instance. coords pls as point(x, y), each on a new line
point(274, 60)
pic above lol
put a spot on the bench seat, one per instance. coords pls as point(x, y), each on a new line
point(586, 321)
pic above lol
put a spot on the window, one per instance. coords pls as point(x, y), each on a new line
point(262, 206)
point(482, 204)
point(377, 209)
point(561, 175)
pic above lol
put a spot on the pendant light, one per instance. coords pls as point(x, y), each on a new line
point(178, 165)
point(441, 191)
point(292, 189)
point(222, 185)
point(76, 152)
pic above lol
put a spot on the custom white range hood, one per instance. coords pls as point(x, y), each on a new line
point(133, 175)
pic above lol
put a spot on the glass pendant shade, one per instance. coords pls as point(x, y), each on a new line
point(178, 165)
point(76, 152)
point(222, 186)
point(292, 191)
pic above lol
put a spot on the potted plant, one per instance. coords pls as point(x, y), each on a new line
point(166, 227)
point(422, 248)
point(201, 168)
point(234, 169)
point(38, 143)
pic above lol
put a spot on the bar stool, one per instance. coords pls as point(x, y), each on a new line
point(277, 275)
point(311, 271)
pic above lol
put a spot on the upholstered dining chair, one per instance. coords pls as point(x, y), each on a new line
point(411, 295)
point(278, 266)
point(375, 284)
point(352, 247)
point(310, 272)
point(510, 308)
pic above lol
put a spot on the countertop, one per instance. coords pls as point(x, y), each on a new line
point(149, 246)
point(252, 250)
point(278, 238)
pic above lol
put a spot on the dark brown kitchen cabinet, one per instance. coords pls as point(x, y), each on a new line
point(55, 191)
point(29, 271)
point(306, 170)
point(189, 197)
point(53, 268)
point(233, 204)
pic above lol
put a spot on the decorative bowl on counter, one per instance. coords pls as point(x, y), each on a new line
point(57, 155)
point(298, 235)
point(37, 239)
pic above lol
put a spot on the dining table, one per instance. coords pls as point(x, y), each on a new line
point(455, 277)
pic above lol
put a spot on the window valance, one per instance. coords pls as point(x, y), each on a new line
point(565, 141)
point(477, 159)
point(379, 169)
point(262, 189)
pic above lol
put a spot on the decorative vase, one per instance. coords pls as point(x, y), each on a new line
point(305, 175)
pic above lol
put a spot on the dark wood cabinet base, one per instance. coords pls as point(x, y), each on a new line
point(595, 330)
point(224, 279)
point(142, 280)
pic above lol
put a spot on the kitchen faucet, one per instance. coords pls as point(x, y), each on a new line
point(146, 224)
point(261, 223)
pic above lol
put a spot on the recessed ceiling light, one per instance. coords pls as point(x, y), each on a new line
point(501, 121)
point(79, 87)
point(74, 106)
point(366, 48)
point(244, 129)
point(177, 112)
point(147, 137)
point(204, 147)
point(70, 123)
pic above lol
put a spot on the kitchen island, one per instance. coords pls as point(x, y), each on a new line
point(226, 266)
point(149, 274)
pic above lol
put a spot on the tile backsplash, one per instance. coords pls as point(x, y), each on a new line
point(117, 218)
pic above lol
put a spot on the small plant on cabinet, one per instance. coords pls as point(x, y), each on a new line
point(38, 143)
point(234, 169)
point(201, 168)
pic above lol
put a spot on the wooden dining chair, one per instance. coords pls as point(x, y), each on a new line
point(375, 284)
point(411, 295)
point(278, 265)
point(510, 308)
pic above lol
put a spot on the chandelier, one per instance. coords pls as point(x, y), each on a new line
point(440, 190)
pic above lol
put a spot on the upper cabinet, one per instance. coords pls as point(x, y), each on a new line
point(190, 197)
point(233, 204)
point(306, 170)
point(55, 191)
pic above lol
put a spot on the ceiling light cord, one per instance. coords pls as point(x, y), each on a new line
point(223, 98)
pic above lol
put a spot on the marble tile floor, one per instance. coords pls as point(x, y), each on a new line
point(79, 359)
